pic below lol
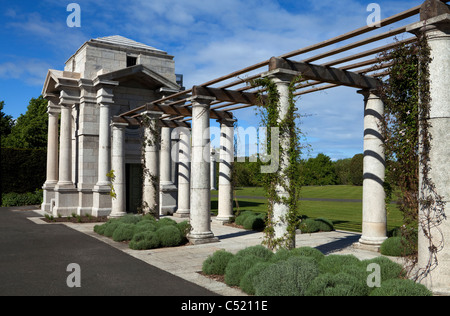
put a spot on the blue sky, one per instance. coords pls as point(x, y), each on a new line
point(209, 38)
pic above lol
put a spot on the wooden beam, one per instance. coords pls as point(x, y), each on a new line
point(326, 74)
point(185, 111)
point(137, 122)
point(225, 95)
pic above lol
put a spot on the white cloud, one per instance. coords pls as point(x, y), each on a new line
point(30, 71)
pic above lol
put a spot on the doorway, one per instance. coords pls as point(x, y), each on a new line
point(134, 176)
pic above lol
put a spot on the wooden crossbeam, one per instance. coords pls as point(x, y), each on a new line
point(161, 123)
point(226, 95)
point(326, 74)
point(186, 111)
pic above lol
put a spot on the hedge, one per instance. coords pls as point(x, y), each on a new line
point(22, 170)
point(309, 225)
point(395, 247)
point(257, 221)
point(290, 277)
point(307, 272)
point(217, 262)
point(22, 199)
point(144, 232)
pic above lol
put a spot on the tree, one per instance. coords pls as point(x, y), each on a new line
point(6, 122)
point(30, 130)
point(342, 169)
point(356, 169)
point(319, 171)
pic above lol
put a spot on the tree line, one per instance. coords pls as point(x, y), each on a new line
point(320, 170)
point(23, 153)
point(29, 131)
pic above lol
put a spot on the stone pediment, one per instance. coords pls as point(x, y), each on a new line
point(56, 79)
point(139, 76)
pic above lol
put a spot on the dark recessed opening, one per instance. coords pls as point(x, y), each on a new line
point(131, 61)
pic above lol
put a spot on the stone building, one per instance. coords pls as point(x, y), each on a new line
point(105, 77)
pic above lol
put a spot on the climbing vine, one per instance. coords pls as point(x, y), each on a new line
point(287, 178)
point(151, 137)
point(112, 177)
point(406, 94)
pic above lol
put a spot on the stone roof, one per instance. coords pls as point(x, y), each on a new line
point(123, 41)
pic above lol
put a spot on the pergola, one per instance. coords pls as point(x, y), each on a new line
point(348, 60)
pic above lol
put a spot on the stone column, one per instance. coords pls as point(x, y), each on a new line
point(150, 194)
point(437, 30)
point(102, 198)
point(65, 148)
point(374, 209)
point(184, 173)
point(225, 205)
point(118, 205)
point(52, 156)
point(282, 78)
point(200, 219)
point(66, 195)
point(168, 190)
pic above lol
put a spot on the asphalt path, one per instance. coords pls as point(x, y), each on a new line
point(34, 261)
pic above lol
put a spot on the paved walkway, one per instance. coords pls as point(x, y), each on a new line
point(34, 258)
point(185, 262)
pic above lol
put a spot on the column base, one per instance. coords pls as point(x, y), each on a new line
point(66, 200)
point(101, 201)
point(202, 238)
point(370, 243)
point(48, 195)
point(180, 213)
point(117, 215)
point(224, 219)
point(168, 199)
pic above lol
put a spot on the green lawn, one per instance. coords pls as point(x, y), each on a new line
point(345, 215)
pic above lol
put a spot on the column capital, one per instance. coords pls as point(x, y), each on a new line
point(69, 97)
point(153, 114)
point(367, 93)
point(53, 110)
point(280, 75)
point(437, 23)
point(119, 124)
point(229, 122)
point(201, 100)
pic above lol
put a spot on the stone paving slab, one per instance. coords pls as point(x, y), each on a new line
point(186, 261)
